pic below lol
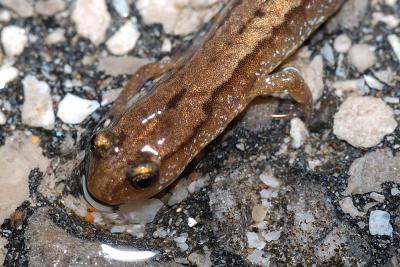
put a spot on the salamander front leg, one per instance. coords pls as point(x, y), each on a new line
point(289, 80)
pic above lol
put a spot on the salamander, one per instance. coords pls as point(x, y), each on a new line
point(151, 140)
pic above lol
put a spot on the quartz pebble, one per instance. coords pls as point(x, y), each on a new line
point(298, 132)
point(394, 191)
point(379, 223)
point(200, 260)
point(395, 44)
point(7, 74)
point(313, 76)
point(272, 236)
point(139, 212)
point(124, 39)
point(258, 213)
point(3, 118)
point(110, 96)
point(177, 16)
point(179, 193)
point(363, 121)
point(348, 207)
point(3, 250)
point(19, 155)
point(37, 109)
point(73, 109)
point(254, 240)
point(122, 7)
point(257, 258)
point(121, 65)
point(56, 36)
point(49, 7)
point(362, 56)
point(342, 43)
point(23, 8)
point(14, 40)
point(92, 19)
point(270, 180)
point(198, 184)
point(370, 171)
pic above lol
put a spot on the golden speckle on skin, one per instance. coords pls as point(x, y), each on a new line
point(206, 90)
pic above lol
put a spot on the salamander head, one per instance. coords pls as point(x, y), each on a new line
point(119, 171)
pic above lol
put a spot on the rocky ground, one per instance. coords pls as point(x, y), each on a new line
point(271, 191)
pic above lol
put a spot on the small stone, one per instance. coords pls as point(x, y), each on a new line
point(178, 17)
point(49, 7)
point(198, 184)
point(258, 213)
point(179, 193)
point(394, 191)
point(394, 42)
point(143, 211)
point(92, 19)
point(349, 87)
point(327, 53)
point(313, 76)
point(298, 133)
point(121, 65)
point(116, 229)
point(122, 7)
point(240, 147)
point(363, 121)
point(110, 96)
point(373, 83)
point(22, 7)
point(377, 197)
point(342, 43)
point(14, 40)
point(5, 16)
point(370, 171)
point(379, 223)
point(56, 36)
point(272, 236)
point(391, 100)
point(257, 258)
point(181, 243)
point(37, 109)
point(136, 230)
point(7, 74)
point(390, 20)
point(348, 207)
point(3, 118)
point(191, 222)
point(362, 56)
point(270, 180)
point(74, 110)
point(3, 250)
point(19, 155)
point(200, 260)
point(254, 240)
point(124, 39)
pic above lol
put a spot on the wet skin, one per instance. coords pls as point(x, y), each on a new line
point(149, 142)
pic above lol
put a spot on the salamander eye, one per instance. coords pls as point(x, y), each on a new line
point(102, 143)
point(142, 174)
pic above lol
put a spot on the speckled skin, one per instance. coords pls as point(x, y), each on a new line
point(203, 93)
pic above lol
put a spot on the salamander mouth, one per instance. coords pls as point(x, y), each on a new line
point(101, 206)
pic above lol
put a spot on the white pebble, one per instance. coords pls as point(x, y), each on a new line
point(191, 222)
point(362, 56)
point(327, 53)
point(347, 206)
point(298, 132)
point(395, 44)
point(254, 240)
point(14, 40)
point(122, 7)
point(49, 7)
point(270, 180)
point(73, 109)
point(23, 8)
point(3, 118)
point(179, 193)
point(258, 213)
point(394, 191)
point(313, 76)
point(373, 83)
point(198, 184)
point(56, 36)
point(118, 229)
point(379, 223)
point(143, 211)
point(342, 43)
point(363, 121)
point(92, 19)
point(272, 236)
point(257, 258)
point(7, 74)
point(110, 96)
point(124, 39)
point(37, 110)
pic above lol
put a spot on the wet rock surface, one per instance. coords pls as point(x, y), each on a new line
point(273, 190)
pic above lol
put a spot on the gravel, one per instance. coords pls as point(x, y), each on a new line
point(73, 109)
point(14, 39)
point(363, 121)
point(362, 56)
point(379, 223)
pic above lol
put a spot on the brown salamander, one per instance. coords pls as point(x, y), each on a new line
point(147, 145)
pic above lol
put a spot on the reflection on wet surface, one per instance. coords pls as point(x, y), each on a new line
point(126, 255)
